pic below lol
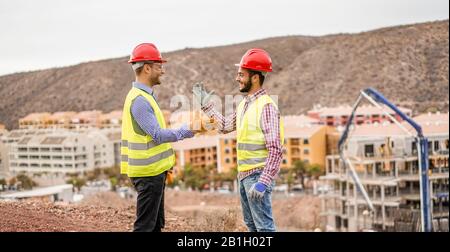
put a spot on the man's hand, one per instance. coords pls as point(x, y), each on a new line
point(201, 95)
point(196, 126)
point(257, 191)
point(200, 123)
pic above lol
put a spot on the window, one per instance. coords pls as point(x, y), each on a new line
point(227, 160)
point(368, 150)
point(284, 161)
point(306, 151)
point(414, 147)
point(305, 141)
point(227, 151)
point(226, 141)
point(436, 145)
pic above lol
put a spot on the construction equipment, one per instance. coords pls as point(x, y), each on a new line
point(376, 98)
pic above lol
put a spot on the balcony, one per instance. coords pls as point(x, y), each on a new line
point(439, 170)
point(33, 149)
point(443, 152)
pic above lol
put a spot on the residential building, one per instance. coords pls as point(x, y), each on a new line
point(385, 159)
point(338, 116)
point(62, 151)
point(200, 151)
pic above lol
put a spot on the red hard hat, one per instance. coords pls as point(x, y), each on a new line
point(146, 52)
point(256, 59)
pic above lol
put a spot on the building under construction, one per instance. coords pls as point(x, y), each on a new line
point(386, 162)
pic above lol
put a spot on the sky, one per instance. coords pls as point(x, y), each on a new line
point(42, 34)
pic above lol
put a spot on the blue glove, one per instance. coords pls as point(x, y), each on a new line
point(201, 95)
point(257, 190)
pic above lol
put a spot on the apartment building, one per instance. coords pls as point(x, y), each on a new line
point(62, 151)
point(61, 120)
point(72, 120)
point(385, 159)
point(305, 140)
point(227, 152)
point(366, 114)
point(35, 121)
point(4, 167)
point(200, 151)
point(3, 160)
point(86, 119)
point(306, 143)
point(111, 120)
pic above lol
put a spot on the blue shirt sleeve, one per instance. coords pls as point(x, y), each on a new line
point(144, 115)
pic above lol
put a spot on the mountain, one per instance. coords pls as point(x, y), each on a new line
point(408, 64)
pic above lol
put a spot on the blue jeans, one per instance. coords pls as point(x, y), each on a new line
point(257, 214)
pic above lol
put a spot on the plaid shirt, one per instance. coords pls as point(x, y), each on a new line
point(270, 124)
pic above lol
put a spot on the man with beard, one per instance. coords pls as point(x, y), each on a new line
point(147, 156)
point(260, 136)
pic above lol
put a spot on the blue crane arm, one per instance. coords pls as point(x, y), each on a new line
point(381, 99)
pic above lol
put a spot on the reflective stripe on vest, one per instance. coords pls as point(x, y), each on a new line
point(252, 161)
point(251, 147)
point(139, 146)
point(151, 160)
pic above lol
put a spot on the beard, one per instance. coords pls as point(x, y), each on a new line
point(155, 80)
point(247, 87)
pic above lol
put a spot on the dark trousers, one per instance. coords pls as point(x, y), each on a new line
point(150, 203)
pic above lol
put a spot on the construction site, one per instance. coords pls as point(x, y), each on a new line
point(380, 186)
point(185, 212)
point(385, 160)
point(364, 145)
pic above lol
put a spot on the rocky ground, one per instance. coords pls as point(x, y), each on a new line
point(185, 211)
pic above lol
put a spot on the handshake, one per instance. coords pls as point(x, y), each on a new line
point(200, 123)
point(197, 122)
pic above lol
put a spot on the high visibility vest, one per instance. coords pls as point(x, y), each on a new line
point(141, 156)
point(251, 145)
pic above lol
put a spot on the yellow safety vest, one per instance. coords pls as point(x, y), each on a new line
point(251, 145)
point(141, 157)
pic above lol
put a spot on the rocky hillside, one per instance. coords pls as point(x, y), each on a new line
point(409, 64)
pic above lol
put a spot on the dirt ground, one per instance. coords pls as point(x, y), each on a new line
point(185, 211)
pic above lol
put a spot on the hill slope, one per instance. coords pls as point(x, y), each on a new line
point(409, 64)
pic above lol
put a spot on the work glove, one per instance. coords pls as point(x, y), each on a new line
point(257, 190)
point(201, 95)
